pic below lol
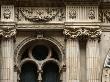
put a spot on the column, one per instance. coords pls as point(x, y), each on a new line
point(93, 57)
point(7, 32)
point(7, 54)
point(72, 57)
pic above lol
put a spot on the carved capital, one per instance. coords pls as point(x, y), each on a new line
point(71, 33)
point(8, 31)
point(94, 33)
point(91, 33)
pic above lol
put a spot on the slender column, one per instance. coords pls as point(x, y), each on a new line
point(6, 57)
point(93, 58)
point(72, 58)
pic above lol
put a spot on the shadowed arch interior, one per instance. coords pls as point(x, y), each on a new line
point(28, 72)
point(51, 72)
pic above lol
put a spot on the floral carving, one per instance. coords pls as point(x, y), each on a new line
point(91, 14)
point(41, 14)
point(72, 14)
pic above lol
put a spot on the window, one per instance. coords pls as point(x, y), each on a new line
point(40, 62)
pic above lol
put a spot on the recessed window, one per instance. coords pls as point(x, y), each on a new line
point(40, 52)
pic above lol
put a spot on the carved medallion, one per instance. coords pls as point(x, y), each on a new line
point(91, 14)
point(72, 14)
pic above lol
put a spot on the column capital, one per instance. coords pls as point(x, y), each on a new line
point(94, 33)
point(7, 30)
point(71, 33)
point(91, 33)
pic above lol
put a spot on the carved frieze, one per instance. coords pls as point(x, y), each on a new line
point(79, 32)
point(7, 13)
point(82, 13)
point(40, 14)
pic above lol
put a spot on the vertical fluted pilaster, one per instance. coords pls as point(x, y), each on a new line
point(7, 52)
point(72, 55)
point(6, 60)
point(93, 60)
point(72, 60)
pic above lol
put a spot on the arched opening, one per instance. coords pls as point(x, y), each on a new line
point(42, 51)
point(28, 72)
point(51, 72)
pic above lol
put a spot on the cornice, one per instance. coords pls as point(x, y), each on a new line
point(46, 26)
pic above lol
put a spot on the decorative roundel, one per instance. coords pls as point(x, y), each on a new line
point(40, 52)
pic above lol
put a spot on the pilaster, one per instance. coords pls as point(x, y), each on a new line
point(72, 56)
point(93, 56)
point(7, 33)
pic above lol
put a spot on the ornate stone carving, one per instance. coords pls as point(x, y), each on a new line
point(7, 13)
point(106, 14)
point(88, 32)
point(72, 14)
point(7, 31)
point(72, 33)
point(91, 14)
point(94, 33)
point(106, 75)
point(40, 14)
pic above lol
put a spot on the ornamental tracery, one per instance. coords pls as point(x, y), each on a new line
point(31, 55)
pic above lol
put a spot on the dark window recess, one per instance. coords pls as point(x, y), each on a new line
point(28, 73)
point(50, 73)
point(40, 52)
point(55, 54)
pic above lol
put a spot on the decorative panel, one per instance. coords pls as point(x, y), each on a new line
point(40, 14)
point(82, 13)
point(7, 13)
